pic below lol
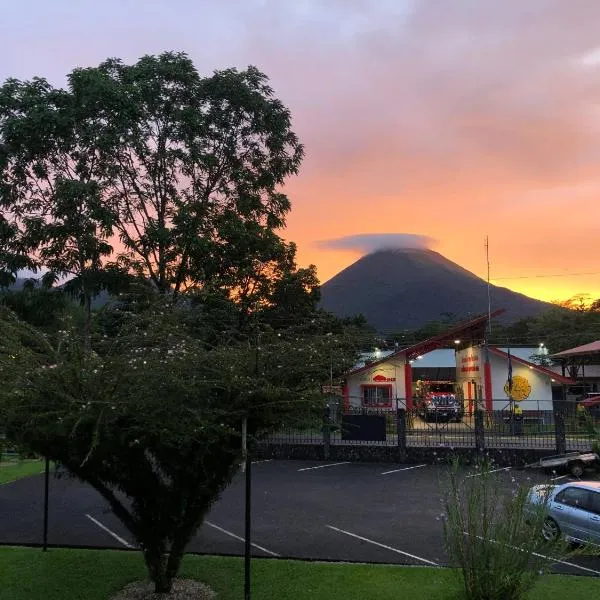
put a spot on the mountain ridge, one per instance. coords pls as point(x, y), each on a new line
point(398, 289)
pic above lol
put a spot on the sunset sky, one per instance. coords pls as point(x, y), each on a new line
point(450, 119)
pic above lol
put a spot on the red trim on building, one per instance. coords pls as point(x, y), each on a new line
point(370, 385)
point(487, 382)
point(439, 340)
point(557, 377)
point(431, 343)
point(408, 385)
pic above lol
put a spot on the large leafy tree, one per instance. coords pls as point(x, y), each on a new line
point(149, 172)
point(152, 170)
point(191, 168)
point(155, 414)
point(51, 202)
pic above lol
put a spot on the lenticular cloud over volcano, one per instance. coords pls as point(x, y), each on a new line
point(367, 243)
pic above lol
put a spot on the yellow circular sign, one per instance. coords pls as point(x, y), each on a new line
point(520, 388)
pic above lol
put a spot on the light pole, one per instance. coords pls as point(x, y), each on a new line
point(46, 486)
point(247, 465)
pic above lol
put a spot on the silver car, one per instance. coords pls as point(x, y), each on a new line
point(572, 510)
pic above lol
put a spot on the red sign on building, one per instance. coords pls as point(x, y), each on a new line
point(381, 378)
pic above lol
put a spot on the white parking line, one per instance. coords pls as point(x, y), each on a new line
point(256, 462)
point(237, 537)
point(404, 469)
point(323, 466)
point(548, 558)
point(105, 528)
point(557, 478)
point(364, 539)
point(494, 471)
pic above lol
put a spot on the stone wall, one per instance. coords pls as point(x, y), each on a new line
point(517, 457)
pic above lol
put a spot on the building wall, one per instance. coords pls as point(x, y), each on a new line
point(469, 374)
point(442, 357)
point(540, 397)
point(387, 373)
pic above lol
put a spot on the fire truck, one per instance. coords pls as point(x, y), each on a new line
point(437, 401)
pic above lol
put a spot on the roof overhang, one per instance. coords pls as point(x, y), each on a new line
point(547, 372)
point(468, 331)
point(591, 349)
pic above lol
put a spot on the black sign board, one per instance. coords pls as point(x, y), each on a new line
point(366, 428)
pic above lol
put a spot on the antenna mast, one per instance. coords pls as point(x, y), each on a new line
point(487, 259)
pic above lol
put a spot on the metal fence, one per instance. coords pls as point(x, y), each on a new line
point(564, 428)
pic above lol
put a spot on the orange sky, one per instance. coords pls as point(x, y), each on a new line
point(454, 119)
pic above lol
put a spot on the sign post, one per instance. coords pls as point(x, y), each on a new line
point(46, 488)
point(246, 467)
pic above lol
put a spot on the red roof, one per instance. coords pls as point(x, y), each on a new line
point(533, 366)
point(586, 349)
point(435, 342)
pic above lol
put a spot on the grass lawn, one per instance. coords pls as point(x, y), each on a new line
point(12, 469)
point(30, 574)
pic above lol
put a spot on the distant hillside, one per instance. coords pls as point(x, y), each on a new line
point(405, 289)
point(98, 302)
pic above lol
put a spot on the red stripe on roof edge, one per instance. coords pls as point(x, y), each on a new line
point(548, 372)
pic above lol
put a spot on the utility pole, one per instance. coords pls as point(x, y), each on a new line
point(486, 367)
point(489, 296)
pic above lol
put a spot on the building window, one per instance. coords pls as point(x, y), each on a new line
point(377, 395)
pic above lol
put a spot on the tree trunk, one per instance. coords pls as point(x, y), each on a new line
point(157, 569)
point(174, 562)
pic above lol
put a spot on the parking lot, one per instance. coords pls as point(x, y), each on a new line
point(365, 512)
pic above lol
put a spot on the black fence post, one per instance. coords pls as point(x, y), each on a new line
point(559, 428)
point(326, 432)
point(479, 431)
point(401, 431)
point(46, 490)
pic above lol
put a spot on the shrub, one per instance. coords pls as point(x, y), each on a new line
point(493, 536)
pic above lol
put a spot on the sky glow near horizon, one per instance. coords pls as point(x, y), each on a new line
point(450, 120)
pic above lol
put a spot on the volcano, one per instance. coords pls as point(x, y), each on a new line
point(406, 288)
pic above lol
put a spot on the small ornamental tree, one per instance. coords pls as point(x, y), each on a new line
point(154, 414)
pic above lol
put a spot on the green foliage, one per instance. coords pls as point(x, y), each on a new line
point(494, 541)
point(560, 327)
point(186, 171)
point(154, 412)
point(163, 188)
point(42, 307)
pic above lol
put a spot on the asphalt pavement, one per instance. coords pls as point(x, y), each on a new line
point(363, 512)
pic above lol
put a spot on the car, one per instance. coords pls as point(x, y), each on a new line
point(571, 511)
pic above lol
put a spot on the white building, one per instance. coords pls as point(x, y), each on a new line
point(481, 376)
